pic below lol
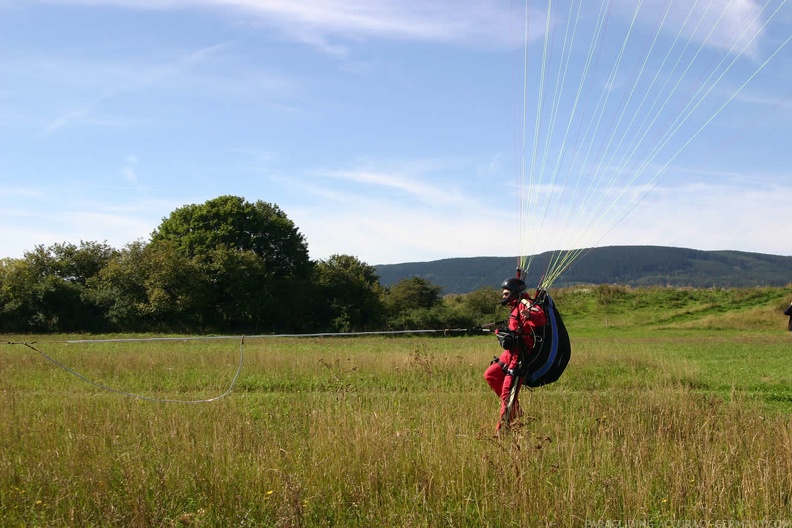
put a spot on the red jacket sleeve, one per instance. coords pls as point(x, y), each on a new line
point(528, 318)
point(532, 315)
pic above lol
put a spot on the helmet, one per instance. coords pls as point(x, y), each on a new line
point(515, 286)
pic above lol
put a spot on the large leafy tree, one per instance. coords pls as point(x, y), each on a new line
point(154, 287)
point(253, 256)
point(47, 290)
point(415, 303)
point(237, 281)
point(234, 223)
point(478, 307)
point(120, 288)
point(17, 305)
point(482, 305)
point(349, 295)
point(72, 263)
point(412, 293)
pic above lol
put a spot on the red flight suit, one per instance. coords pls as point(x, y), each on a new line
point(525, 318)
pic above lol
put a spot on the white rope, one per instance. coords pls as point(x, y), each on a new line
point(241, 339)
point(264, 336)
point(130, 394)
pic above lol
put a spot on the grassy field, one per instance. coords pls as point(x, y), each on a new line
point(681, 419)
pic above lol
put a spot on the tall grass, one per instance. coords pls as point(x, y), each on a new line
point(394, 432)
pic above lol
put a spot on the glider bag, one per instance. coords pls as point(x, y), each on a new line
point(552, 350)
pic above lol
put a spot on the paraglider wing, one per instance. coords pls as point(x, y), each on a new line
point(552, 353)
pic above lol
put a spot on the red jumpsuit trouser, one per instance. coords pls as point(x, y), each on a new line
point(499, 381)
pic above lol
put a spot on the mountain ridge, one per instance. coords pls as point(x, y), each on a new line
point(635, 266)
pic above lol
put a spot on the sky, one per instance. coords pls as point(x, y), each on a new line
point(401, 130)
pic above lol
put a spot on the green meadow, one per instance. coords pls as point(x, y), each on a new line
point(671, 410)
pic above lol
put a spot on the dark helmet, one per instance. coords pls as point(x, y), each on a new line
point(515, 286)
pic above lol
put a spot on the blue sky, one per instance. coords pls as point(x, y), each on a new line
point(401, 131)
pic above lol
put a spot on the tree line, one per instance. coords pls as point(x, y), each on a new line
point(227, 265)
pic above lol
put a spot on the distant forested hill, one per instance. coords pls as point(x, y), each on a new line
point(626, 265)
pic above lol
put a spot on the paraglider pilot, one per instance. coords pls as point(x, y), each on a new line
point(516, 339)
point(788, 312)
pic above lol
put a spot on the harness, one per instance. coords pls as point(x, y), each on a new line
point(503, 366)
point(514, 341)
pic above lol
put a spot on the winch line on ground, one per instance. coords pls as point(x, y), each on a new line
point(241, 339)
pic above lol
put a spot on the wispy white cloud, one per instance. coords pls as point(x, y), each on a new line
point(329, 25)
point(717, 23)
point(316, 22)
point(177, 66)
point(25, 230)
point(92, 87)
point(734, 26)
point(20, 192)
point(128, 169)
point(389, 181)
point(102, 77)
point(381, 232)
point(435, 182)
point(712, 217)
point(397, 211)
point(65, 120)
point(769, 101)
